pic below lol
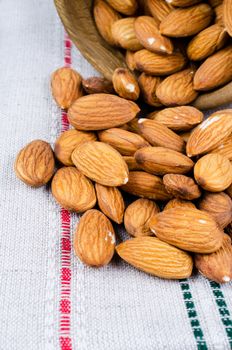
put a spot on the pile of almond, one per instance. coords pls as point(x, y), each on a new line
point(178, 164)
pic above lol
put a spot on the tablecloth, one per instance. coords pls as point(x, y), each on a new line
point(48, 299)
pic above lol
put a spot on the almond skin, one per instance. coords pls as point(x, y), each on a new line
point(160, 161)
point(187, 228)
point(148, 86)
point(138, 215)
point(219, 15)
point(225, 148)
point(177, 89)
point(101, 111)
point(159, 9)
point(147, 32)
point(125, 84)
point(72, 190)
point(130, 60)
point(131, 163)
point(124, 34)
point(177, 23)
point(176, 202)
point(110, 202)
point(94, 239)
point(213, 172)
point(181, 186)
point(210, 133)
point(158, 258)
point(227, 15)
point(97, 85)
point(101, 163)
point(125, 142)
point(105, 16)
point(217, 266)
point(66, 86)
point(158, 134)
point(68, 141)
point(35, 163)
point(145, 185)
point(126, 7)
point(215, 71)
point(183, 3)
point(179, 118)
point(207, 42)
point(158, 64)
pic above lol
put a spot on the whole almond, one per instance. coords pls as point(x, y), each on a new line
point(155, 257)
point(66, 86)
point(213, 172)
point(125, 142)
point(210, 133)
point(101, 111)
point(35, 163)
point(94, 239)
point(178, 118)
point(187, 21)
point(227, 15)
point(158, 64)
point(138, 215)
point(105, 16)
point(72, 190)
point(145, 185)
point(97, 85)
point(159, 9)
point(187, 228)
point(207, 42)
point(160, 161)
point(68, 141)
point(148, 85)
point(219, 205)
point(125, 84)
point(101, 163)
point(131, 163)
point(147, 32)
point(217, 266)
point(225, 148)
point(215, 71)
point(130, 61)
point(126, 7)
point(177, 89)
point(183, 3)
point(110, 202)
point(158, 134)
point(124, 34)
point(176, 202)
point(181, 186)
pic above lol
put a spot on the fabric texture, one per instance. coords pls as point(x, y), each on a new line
point(49, 299)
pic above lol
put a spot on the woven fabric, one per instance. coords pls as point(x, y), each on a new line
point(49, 300)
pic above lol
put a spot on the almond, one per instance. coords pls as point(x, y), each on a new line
point(147, 32)
point(131, 163)
point(219, 15)
point(210, 133)
point(187, 228)
point(159, 9)
point(217, 266)
point(176, 202)
point(72, 190)
point(159, 135)
point(125, 84)
point(110, 202)
point(124, 34)
point(179, 118)
point(160, 161)
point(227, 15)
point(213, 172)
point(215, 71)
point(145, 185)
point(181, 186)
point(158, 258)
point(177, 89)
point(148, 86)
point(68, 141)
point(130, 61)
point(101, 111)
point(158, 64)
point(125, 142)
point(207, 42)
point(94, 239)
point(138, 215)
point(127, 7)
point(182, 3)
point(101, 163)
point(35, 163)
point(134, 126)
point(66, 85)
point(105, 16)
point(97, 85)
point(186, 22)
point(225, 148)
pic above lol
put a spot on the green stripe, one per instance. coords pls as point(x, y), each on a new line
point(223, 310)
point(192, 315)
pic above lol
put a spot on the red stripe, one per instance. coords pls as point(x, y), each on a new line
point(65, 244)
